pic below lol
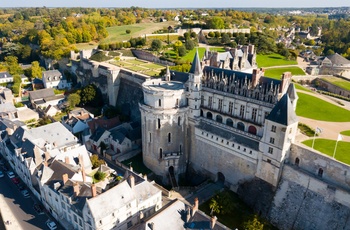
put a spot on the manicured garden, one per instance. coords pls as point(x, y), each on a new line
point(345, 133)
point(150, 69)
point(267, 60)
point(312, 107)
point(327, 147)
point(276, 73)
point(338, 82)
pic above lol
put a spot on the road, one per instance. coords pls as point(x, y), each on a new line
point(17, 209)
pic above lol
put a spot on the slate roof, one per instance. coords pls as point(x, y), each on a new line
point(59, 168)
point(5, 75)
point(196, 67)
point(283, 112)
point(7, 108)
point(292, 93)
point(179, 76)
point(337, 59)
point(52, 75)
point(6, 123)
point(119, 134)
point(228, 135)
point(41, 93)
point(97, 134)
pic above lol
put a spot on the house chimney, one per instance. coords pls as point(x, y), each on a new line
point(213, 222)
point(65, 178)
point(257, 73)
point(251, 49)
point(195, 206)
point(81, 162)
point(286, 77)
point(47, 158)
point(188, 214)
point(141, 215)
point(66, 160)
point(76, 189)
point(145, 177)
point(131, 180)
point(93, 190)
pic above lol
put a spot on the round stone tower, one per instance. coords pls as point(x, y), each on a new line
point(164, 118)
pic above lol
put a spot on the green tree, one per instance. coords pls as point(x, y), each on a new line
point(182, 51)
point(156, 45)
point(214, 206)
point(12, 65)
point(215, 23)
point(36, 70)
point(253, 224)
point(99, 175)
point(225, 38)
point(189, 44)
point(88, 94)
point(73, 99)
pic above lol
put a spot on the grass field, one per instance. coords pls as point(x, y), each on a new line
point(136, 163)
point(317, 109)
point(327, 147)
point(189, 56)
point(86, 46)
point(276, 73)
point(268, 60)
point(118, 33)
point(300, 87)
point(338, 82)
point(345, 133)
point(140, 66)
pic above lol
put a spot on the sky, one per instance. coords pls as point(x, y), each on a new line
point(176, 3)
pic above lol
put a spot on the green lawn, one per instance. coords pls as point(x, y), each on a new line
point(118, 33)
point(327, 147)
point(153, 66)
point(267, 60)
point(276, 73)
point(317, 109)
point(338, 82)
point(136, 62)
point(137, 164)
point(345, 133)
point(300, 87)
point(147, 68)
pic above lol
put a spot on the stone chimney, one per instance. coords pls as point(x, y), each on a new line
point(188, 214)
point(131, 181)
point(141, 215)
point(66, 160)
point(93, 190)
point(195, 206)
point(145, 177)
point(65, 178)
point(257, 73)
point(81, 162)
point(286, 78)
point(76, 189)
point(47, 156)
point(251, 49)
point(213, 222)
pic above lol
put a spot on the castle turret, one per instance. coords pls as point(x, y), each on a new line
point(194, 87)
point(279, 133)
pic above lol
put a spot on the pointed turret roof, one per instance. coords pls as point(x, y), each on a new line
point(196, 68)
point(283, 112)
point(292, 92)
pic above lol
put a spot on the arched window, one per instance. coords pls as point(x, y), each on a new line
point(201, 113)
point(160, 153)
point(320, 172)
point(240, 126)
point(160, 102)
point(158, 123)
point(169, 137)
point(229, 122)
point(297, 161)
point(252, 130)
point(209, 115)
point(219, 118)
point(180, 148)
point(179, 121)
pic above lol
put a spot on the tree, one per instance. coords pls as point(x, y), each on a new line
point(182, 51)
point(215, 23)
point(99, 175)
point(189, 44)
point(156, 45)
point(88, 94)
point(211, 34)
point(96, 162)
point(73, 99)
point(36, 71)
point(214, 206)
point(225, 38)
point(253, 224)
point(12, 65)
point(128, 31)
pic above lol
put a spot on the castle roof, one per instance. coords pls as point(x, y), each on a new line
point(283, 112)
point(196, 65)
point(292, 93)
point(337, 59)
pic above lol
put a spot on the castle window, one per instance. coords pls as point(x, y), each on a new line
point(233, 145)
point(229, 122)
point(244, 150)
point(220, 105)
point(273, 128)
point(219, 118)
point(202, 100)
point(257, 95)
point(177, 103)
point(160, 153)
point(160, 102)
point(239, 147)
point(230, 107)
point(241, 111)
point(210, 101)
point(250, 152)
point(320, 172)
point(297, 161)
point(179, 121)
point(268, 161)
point(187, 101)
point(254, 112)
point(270, 150)
point(272, 140)
point(169, 137)
point(158, 123)
point(180, 148)
point(150, 137)
point(266, 114)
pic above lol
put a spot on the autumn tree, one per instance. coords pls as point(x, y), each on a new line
point(73, 99)
point(36, 70)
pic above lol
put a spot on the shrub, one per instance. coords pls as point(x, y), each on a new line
point(99, 176)
point(128, 31)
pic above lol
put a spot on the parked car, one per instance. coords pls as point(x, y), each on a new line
point(1, 174)
point(15, 180)
point(52, 225)
point(39, 208)
point(25, 193)
point(10, 174)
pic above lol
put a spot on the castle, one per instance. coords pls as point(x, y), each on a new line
point(236, 128)
point(229, 125)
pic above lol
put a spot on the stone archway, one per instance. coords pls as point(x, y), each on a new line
point(209, 115)
point(171, 170)
point(220, 178)
point(240, 126)
point(252, 130)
